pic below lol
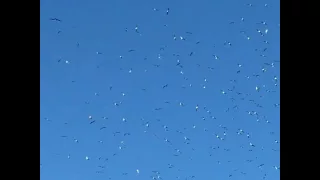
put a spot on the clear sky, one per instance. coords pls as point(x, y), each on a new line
point(129, 91)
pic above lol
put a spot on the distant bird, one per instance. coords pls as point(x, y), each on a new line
point(55, 19)
point(227, 43)
point(115, 133)
point(103, 128)
point(136, 29)
point(167, 12)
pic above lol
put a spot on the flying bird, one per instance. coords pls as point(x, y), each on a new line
point(55, 19)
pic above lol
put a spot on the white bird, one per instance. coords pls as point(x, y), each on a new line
point(138, 171)
point(90, 117)
point(197, 107)
point(87, 158)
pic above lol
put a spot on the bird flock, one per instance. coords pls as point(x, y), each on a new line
point(184, 106)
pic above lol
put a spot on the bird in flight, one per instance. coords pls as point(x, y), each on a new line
point(55, 19)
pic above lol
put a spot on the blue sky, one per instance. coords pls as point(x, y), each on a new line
point(87, 70)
